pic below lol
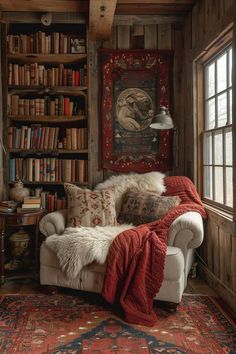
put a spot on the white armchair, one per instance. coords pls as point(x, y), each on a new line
point(184, 236)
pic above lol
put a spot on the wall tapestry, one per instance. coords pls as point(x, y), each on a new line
point(134, 83)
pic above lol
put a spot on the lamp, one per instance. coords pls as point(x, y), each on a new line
point(162, 120)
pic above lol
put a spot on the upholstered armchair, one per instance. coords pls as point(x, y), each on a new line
point(185, 234)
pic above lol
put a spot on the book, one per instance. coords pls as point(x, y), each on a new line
point(28, 210)
point(7, 210)
point(31, 206)
point(32, 200)
point(7, 204)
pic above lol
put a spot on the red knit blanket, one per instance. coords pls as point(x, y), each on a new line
point(135, 263)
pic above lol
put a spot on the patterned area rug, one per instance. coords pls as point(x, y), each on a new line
point(85, 324)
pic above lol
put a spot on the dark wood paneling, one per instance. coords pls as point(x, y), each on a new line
point(204, 27)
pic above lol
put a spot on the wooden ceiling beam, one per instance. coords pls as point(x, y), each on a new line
point(101, 15)
point(152, 9)
point(45, 5)
point(158, 2)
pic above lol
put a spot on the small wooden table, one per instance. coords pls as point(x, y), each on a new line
point(17, 220)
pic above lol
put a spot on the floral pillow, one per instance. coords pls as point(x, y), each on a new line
point(90, 208)
point(144, 207)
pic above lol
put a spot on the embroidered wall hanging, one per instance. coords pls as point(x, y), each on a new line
point(134, 83)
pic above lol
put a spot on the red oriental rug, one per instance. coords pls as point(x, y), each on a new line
point(85, 324)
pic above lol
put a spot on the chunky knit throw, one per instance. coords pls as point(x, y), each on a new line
point(135, 263)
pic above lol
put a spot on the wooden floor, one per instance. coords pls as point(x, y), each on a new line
point(29, 286)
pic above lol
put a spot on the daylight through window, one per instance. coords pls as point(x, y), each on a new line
point(217, 155)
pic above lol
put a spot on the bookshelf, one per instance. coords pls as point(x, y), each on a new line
point(47, 108)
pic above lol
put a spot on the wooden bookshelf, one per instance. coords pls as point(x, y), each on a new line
point(48, 151)
point(46, 96)
point(49, 119)
point(46, 58)
point(73, 90)
point(51, 183)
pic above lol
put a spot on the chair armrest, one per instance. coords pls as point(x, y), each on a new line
point(53, 223)
point(186, 231)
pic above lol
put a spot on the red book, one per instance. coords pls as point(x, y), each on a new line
point(73, 179)
point(41, 142)
point(64, 77)
point(66, 106)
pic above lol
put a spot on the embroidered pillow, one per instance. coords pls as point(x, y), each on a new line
point(90, 208)
point(144, 207)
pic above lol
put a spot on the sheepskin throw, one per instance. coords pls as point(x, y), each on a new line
point(151, 181)
point(80, 246)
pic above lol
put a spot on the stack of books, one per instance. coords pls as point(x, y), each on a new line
point(7, 206)
point(30, 204)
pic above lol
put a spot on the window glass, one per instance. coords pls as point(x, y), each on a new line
point(230, 106)
point(208, 182)
point(229, 186)
point(228, 147)
point(222, 110)
point(221, 73)
point(208, 149)
point(230, 67)
point(210, 83)
point(219, 184)
point(218, 138)
point(218, 148)
point(210, 118)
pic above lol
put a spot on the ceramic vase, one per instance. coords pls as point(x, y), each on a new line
point(18, 192)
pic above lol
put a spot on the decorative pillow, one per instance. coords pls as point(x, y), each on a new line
point(144, 207)
point(90, 208)
point(143, 182)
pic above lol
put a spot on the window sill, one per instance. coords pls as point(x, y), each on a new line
point(222, 218)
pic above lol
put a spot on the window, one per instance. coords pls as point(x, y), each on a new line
point(217, 133)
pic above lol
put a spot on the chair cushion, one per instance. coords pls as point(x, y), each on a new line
point(90, 208)
point(144, 207)
point(174, 263)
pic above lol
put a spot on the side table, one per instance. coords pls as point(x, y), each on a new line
point(15, 221)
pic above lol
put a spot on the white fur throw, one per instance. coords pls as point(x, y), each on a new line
point(77, 247)
point(151, 181)
point(80, 246)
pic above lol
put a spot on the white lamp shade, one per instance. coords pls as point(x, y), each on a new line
point(162, 120)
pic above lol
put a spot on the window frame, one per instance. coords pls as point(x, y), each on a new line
point(219, 46)
point(213, 131)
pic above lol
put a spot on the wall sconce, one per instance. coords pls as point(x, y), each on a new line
point(162, 121)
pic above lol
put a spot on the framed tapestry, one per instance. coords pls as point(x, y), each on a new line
point(134, 83)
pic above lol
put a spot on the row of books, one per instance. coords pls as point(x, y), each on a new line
point(52, 201)
point(48, 170)
point(31, 203)
point(47, 138)
point(35, 75)
point(44, 106)
point(47, 200)
point(7, 206)
point(41, 42)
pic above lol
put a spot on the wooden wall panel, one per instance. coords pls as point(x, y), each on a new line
point(177, 44)
point(208, 20)
point(217, 258)
point(164, 36)
point(1, 126)
point(94, 124)
point(233, 261)
point(150, 36)
point(123, 37)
